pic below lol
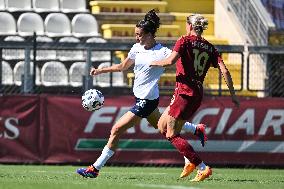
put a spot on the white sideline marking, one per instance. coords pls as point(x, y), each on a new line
point(165, 186)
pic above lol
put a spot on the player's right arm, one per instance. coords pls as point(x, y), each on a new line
point(228, 79)
point(124, 65)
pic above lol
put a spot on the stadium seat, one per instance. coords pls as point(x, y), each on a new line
point(7, 24)
point(18, 5)
point(46, 5)
point(18, 71)
point(96, 40)
point(73, 6)
point(57, 25)
point(28, 23)
point(7, 74)
point(76, 73)
point(44, 54)
point(84, 25)
point(103, 80)
point(13, 54)
point(54, 74)
point(67, 55)
point(100, 56)
point(2, 5)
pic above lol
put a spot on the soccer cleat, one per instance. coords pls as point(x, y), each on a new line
point(200, 132)
point(201, 175)
point(89, 172)
point(187, 169)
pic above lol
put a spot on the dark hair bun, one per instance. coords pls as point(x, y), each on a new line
point(151, 16)
point(150, 23)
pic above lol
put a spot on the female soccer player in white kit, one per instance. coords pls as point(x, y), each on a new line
point(146, 89)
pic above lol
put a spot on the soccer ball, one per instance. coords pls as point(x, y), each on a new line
point(92, 100)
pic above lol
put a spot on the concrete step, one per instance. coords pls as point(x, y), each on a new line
point(180, 19)
point(127, 6)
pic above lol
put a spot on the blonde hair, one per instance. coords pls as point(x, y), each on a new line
point(199, 23)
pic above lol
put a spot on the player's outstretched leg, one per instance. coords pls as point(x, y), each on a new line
point(200, 132)
point(89, 172)
point(201, 175)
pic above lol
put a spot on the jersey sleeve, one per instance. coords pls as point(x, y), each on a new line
point(132, 53)
point(167, 52)
point(216, 58)
point(179, 46)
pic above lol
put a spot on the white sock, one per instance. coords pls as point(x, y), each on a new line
point(186, 161)
point(201, 166)
point(101, 161)
point(189, 127)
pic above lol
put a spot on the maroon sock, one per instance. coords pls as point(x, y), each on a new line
point(185, 149)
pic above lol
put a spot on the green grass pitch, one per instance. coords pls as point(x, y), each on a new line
point(65, 177)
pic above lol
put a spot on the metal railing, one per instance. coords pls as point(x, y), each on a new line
point(242, 70)
point(254, 19)
point(266, 64)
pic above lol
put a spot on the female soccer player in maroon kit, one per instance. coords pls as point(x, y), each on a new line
point(193, 56)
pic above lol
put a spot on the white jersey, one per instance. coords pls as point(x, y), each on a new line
point(146, 77)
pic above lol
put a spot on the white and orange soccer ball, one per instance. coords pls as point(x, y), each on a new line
point(92, 100)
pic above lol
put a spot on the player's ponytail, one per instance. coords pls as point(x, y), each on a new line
point(199, 23)
point(150, 23)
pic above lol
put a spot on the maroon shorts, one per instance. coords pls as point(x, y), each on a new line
point(183, 106)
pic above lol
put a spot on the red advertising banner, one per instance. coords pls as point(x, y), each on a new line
point(252, 134)
point(19, 129)
point(63, 132)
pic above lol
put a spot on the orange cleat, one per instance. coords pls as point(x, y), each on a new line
point(201, 175)
point(187, 169)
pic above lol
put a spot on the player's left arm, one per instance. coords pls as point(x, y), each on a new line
point(168, 61)
point(228, 79)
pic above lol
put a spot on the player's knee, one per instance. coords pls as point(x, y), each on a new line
point(115, 131)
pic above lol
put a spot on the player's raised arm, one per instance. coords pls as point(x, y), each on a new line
point(168, 61)
point(228, 79)
point(124, 65)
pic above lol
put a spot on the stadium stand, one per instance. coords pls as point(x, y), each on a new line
point(57, 25)
point(13, 54)
point(76, 72)
point(2, 5)
point(7, 74)
point(275, 8)
point(103, 80)
point(127, 30)
point(7, 24)
point(68, 6)
point(30, 22)
point(67, 55)
point(127, 6)
point(18, 71)
point(54, 73)
point(84, 25)
point(44, 54)
point(46, 5)
point(16, 5)
point(121, 30)
point(95, 40)
point(99, 56)
point(70, 21)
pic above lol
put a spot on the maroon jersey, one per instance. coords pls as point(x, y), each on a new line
point(196, 57)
